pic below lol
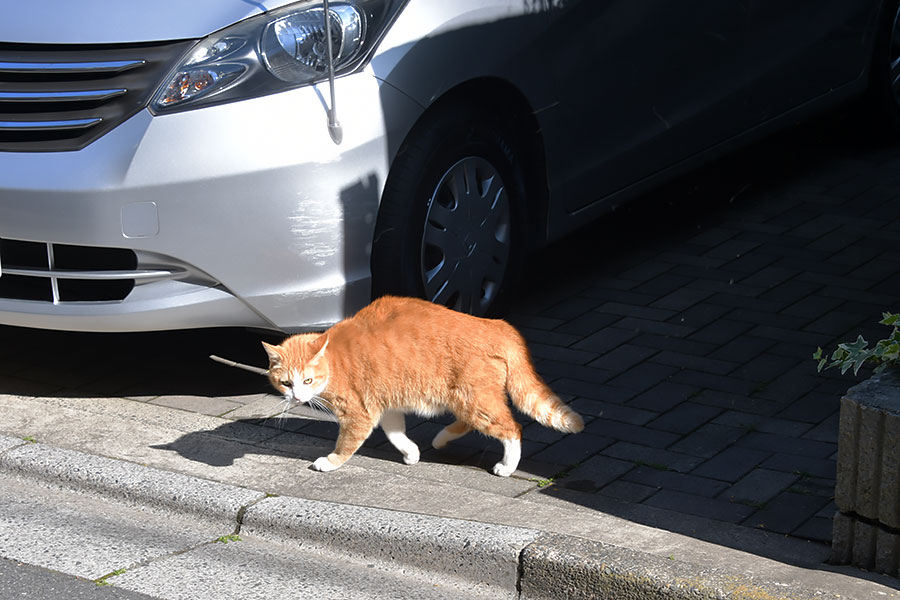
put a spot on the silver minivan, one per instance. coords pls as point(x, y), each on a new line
point(177, 164)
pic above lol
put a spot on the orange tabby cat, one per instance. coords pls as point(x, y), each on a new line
point(401, 355)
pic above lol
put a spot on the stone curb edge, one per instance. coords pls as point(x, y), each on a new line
point(512, 561)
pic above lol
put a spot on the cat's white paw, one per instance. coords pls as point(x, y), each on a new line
point(323, 464)
point(412, 456)
point(503, 470)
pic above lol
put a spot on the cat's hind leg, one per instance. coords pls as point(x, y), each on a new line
point(494, 418)
point(392, 422)
point(455, 430)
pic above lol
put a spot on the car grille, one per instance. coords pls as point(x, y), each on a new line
point(46, 272)
point(60, 97)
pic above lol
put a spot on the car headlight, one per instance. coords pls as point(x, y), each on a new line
point(278, 50)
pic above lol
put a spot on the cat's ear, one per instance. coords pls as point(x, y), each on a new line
point(274, 354)
point(318, 346)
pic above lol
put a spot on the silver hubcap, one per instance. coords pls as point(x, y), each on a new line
point(465, 247)
point(894, 57)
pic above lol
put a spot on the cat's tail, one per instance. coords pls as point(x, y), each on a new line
point(532, 396)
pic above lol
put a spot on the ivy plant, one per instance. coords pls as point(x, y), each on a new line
point(884, 353)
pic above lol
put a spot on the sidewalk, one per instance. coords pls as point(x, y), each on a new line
point(687, 320)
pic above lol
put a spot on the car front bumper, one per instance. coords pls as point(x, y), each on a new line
point(243, 214)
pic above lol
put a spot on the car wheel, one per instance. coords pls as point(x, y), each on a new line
point(449, 223)
point(884, 85)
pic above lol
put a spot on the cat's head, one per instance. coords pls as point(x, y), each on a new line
point(298, 367)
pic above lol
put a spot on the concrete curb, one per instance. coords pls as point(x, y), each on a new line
point(497, 560)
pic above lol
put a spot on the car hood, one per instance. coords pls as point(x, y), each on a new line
point(119, 21)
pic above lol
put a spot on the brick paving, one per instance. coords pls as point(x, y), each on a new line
point(681, 326)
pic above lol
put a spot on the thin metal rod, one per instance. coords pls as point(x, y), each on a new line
point(231, 363)
point(334, 127)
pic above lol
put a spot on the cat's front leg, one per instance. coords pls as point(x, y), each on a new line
point(351, 436)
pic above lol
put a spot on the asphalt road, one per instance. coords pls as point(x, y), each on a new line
point(20, 581)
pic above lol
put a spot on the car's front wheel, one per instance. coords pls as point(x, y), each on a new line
point(448, 227)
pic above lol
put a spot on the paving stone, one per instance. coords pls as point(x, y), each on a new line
point(572, 449)
point(643, 377)
point(814, 486)
point(713, 236)
point(707, 441)
point(612, 412)
point(524, 320)
point(759, 486)
point(699, 315)
point(791, 291)
point(813, 307)
point(697, 505)
point(772, 443)
point(639, 326)
point(723, 383)
point(825, 468)
point(721, 332)
point(552, 369)
point(792, 386)
point(835, 323)
point(595, 473)
point(662, 342)
point(817, 529)
point(769, 277)
point(587, 324)
point(638, 312)
point(623, 358)
point(697, 363)
point(604, 340)
point(652, 456)
point(681, 299)
point(811, 408)
point(751, 263)
point(631, 433)
point(826, 431)
point(786, 512)
point(622, 296)
point(742, 349)
point(672, 480)
point(731, 249)
point(597, 392)
point(663, 397)
point(645, 271)
point(570, 308)
point(560, 354)
point(543, 336)
point(685, 417)
point(627, 491)
point(731, 464)
point(664, 284)
point(739, 402)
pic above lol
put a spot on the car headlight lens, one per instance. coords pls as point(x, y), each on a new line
point(294, 47)
point(275, 51)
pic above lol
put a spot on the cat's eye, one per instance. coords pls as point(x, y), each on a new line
point(307, 381)
point(287, 383)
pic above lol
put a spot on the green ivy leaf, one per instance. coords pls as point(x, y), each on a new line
point(889, 318)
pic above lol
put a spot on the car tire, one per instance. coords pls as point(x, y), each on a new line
point(449, 225)
point(884, 78)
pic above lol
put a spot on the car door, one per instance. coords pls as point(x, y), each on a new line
point(640, 86)
point(797, 51)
